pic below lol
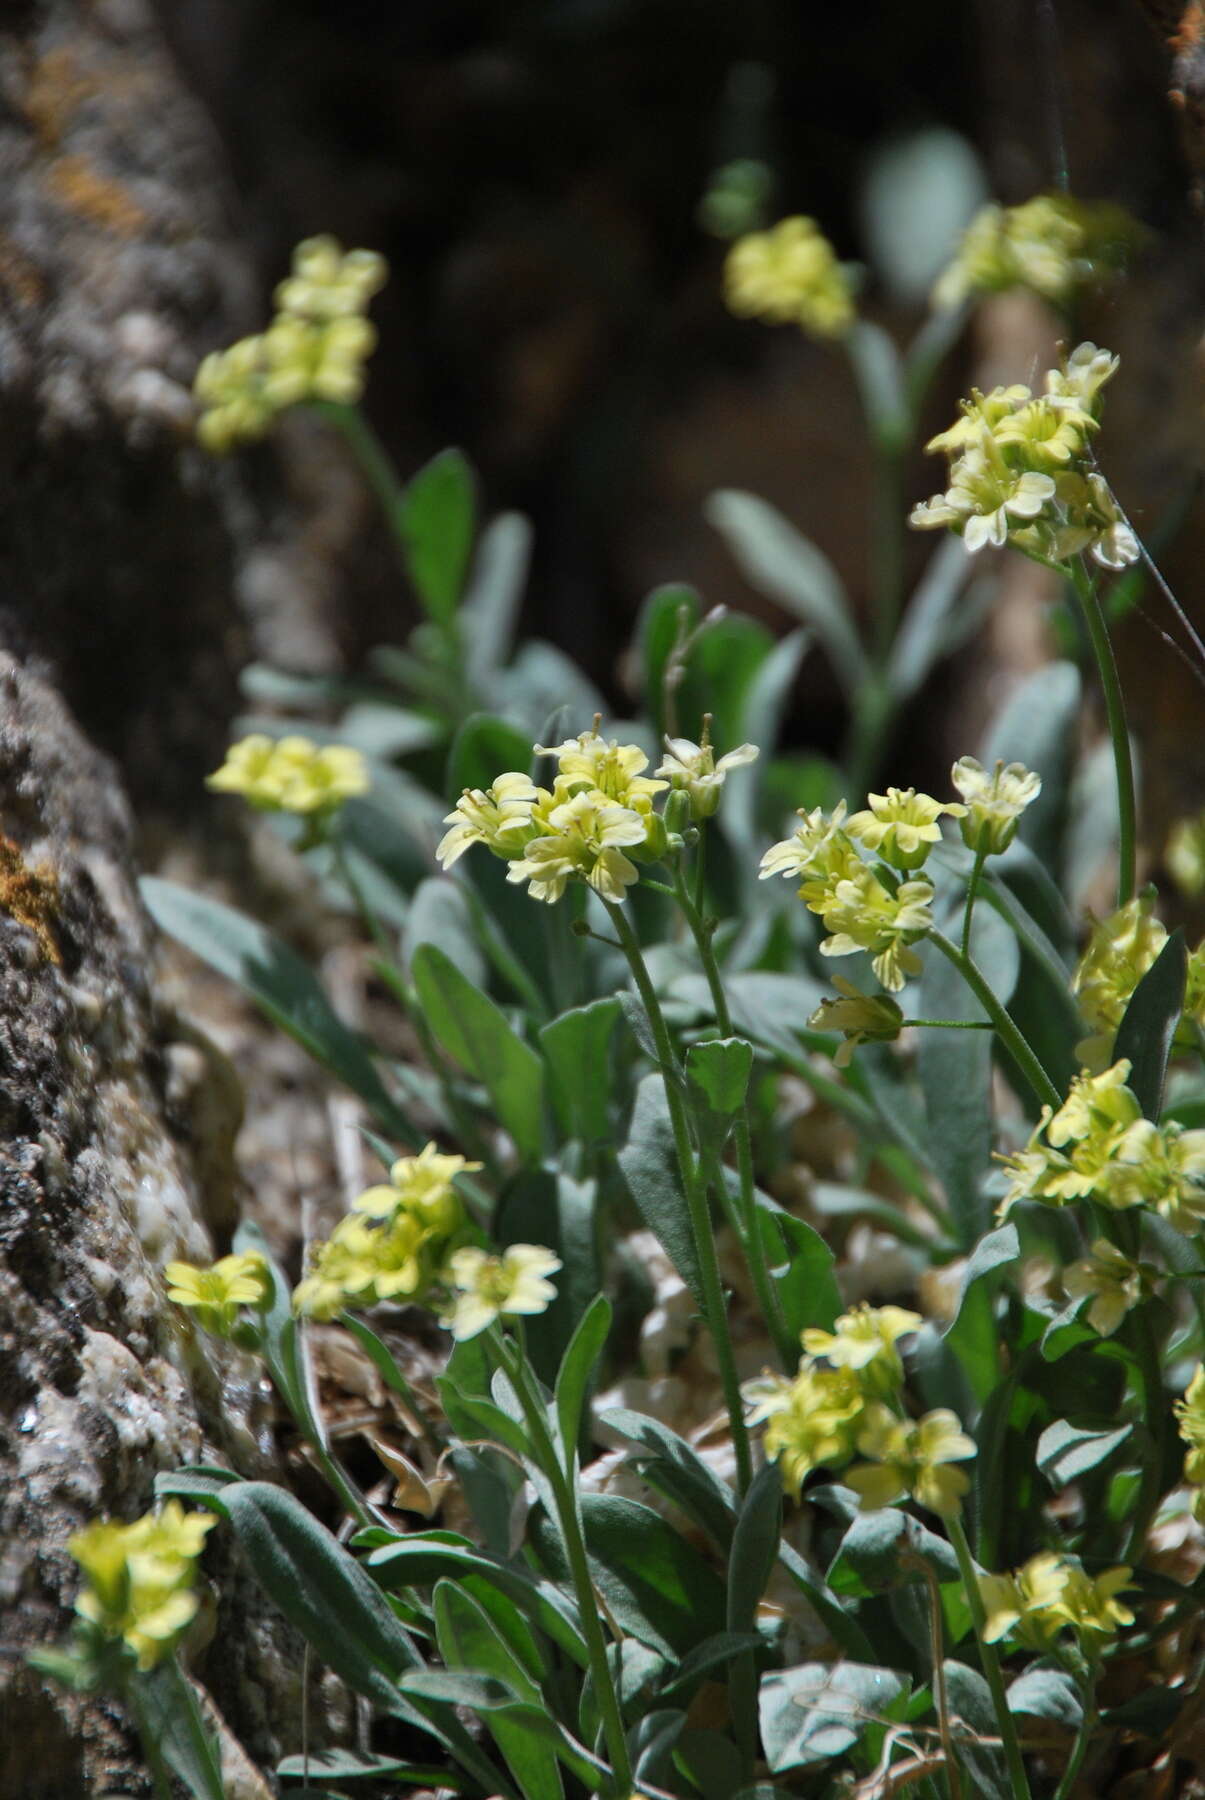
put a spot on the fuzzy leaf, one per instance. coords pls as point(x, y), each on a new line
point(1149, 1023)
point(436, 518)
point(473, 1030)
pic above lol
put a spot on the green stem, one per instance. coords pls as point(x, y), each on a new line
point(991, 1662)
point(160, 1773)
point(1009, 1034)
point(1155, 1409)
point(545, 1454)
point(951, 1024)
point(1110, 681)
point(696, 1195)
point(1079, 1749)
point(763, 1287)
point(972, 893)
point(376, 464)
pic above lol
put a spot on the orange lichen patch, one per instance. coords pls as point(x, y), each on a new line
point(20, 277)
point(1191, 29)
point(56, 91)
point(30, 896)
point(83, 190)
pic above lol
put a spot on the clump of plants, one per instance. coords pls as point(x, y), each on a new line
point(915, 1550)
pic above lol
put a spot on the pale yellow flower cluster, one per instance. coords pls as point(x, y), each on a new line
point(217, 1294)
point(291, 774)
point(1021, 472)
point(139, 1578)
point(395, 1242)
point(866, 907)
point(790, 275)
point(846, 1401)
point(1190, 1411)
point(314, 349)
point(1052, 1594)
point(1053, 244)
point(1120, 950)
point(1098, 1146)
point(1185, 855)
point(595, 824)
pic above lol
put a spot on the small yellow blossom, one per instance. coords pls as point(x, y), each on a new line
point(1113, 1281)
point(420, 1185)
point(813, 1420)
point(912, 1458)
point(1051, 1594)
point(1161, 1166)
point(500, 817)
point(865, 1340)
point(1053, 244)
point(1185, 856)
point(585, 836)
point(820, 852)
point(1190, 1411)
point(497, 1287)
point(693, 769)
point(987, 497)
point(790, 276)
point(589, 762)
point(139, 1578)
point(327, 283)
point(229, 388)
point(1118, 954)
point(861, 1019)
point(864, 914)
point(291, 774)
point(994, 803)
point(901, 825)
point(216, 1293)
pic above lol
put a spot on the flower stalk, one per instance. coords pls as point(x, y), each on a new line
point(1007, 1030)
point(1110, 681)
point(1018, 1780)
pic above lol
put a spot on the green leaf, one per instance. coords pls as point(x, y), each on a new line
point(972, 1335)
point(279, 982)
point(885, 1548)
point(879, 370)
point(766, 702)
point(423, 1557)
point(484, 748)
point(166, 1701)
point(473, 1030)
point(658, 1587)
point(955, 1070)
point(711, 1760)
point(754, 1547)
point(801, 1268)
point(921, 190)
point(469, 1640)
point(360, 1765)
point(1047, 1694)
point(720, 1070)
point(321, 1589)
point(779, 561)
point(439, 914)
point(277, 1323)
point(490, 609)
point(679, 1472)
point(651, 1741)
point(455, 1687)
point(1067, 1452)
point(650, 1168)
point(820, 1710)
point(540, 1207)
point(1037, 727)
point(577, 1373)
point(436, 519)
point(1149, 1023)
point(712, 1653)
point(767, 1007)
point(940, 615)
point(577, 1048)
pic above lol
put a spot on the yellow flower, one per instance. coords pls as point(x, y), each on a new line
point(987, 496)
point(589, 762)
point(912, 1458)
point(1114, 1282)
point(790, 276)
point(994, 803)
point(497, 1287)
point(863, 914)
point(1161, 1166)
point(586, 836)
point(1185, 855)
point(1053, 244)
point(1051, 1594)
point(692, 769)
point(1190, 1411)
point(499, 817)
point(217, 1293)
point(864, 1341)
point(819, 851)
point(901, 825)
point(229, 388)
point(291, 774)
point(861, 1018)
point(1119, 952)
point(813, 1420)
point(420, 1185)
point(399, 1258)
point(326, 283)
point(139, 1578)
